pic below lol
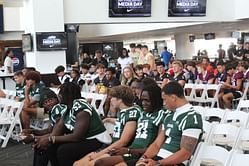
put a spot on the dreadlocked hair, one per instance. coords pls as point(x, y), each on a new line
point(69, 91)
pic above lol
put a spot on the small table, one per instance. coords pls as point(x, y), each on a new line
point(4, 76)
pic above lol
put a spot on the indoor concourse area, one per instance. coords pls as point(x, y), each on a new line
point(124, 82)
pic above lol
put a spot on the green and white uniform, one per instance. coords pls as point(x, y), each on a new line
point(20, 91)
point(147, 128)
point(183, 121)
point(125, 115)
point(35, 92)
point(96, 128)
point(57, 112)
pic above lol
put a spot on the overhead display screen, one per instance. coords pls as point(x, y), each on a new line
point(129, 8)
point(187, 8)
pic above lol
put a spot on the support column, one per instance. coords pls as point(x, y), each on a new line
point(44, 16)
point(184, 48)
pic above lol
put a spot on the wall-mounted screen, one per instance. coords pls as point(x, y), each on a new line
point(47, 41)
point(1, 19)
point(209, 36)
point(129, 8)
point(27, 44)
point(186, 8)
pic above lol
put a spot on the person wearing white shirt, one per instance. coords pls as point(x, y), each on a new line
point(8, 64)
point(124, 59)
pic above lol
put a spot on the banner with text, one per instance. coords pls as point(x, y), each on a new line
point(129, 8)
point(186, 8)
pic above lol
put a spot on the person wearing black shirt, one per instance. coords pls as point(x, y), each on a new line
point(178, 73)
point(162, 78)
point(100, 59)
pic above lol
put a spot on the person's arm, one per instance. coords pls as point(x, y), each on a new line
point(109, 120)
point(80, 129)
point(126, 137)
point(154, 148)
point(187, 145)
point(182, 82)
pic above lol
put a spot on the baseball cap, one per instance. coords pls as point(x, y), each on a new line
point(46, 94)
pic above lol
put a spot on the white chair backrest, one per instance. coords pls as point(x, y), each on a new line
point(96, 97)
point(214, 89)
point(208, 154)
point(201, 110)
point(238, 118)
point(189, 91)
point(214, 112)
point(9, 118)
point(245, 90)
point(243, 105)
point(200, 92)
point(243, 140)
point(207, 128)
point(224, 135)
point(10, 94)
point(239, 159)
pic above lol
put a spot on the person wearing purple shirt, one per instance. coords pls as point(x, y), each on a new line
point(204, 76)
point(234, 89)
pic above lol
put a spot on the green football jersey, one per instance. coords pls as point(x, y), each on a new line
point(125, 115)
point(95, 127)
point(35, 92)
point(57, 112)
point(187, 122)
point(20, 91)
point(147, 128)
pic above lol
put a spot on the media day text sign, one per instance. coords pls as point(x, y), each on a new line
point(186, 8)
point(129, 8)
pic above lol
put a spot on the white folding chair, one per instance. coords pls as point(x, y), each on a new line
point(93, 97)
point(210, 155)
point(244, 95)
point(238, 118)
point(214, 114)
point(242, 143)
point(207, 128)
point(9, 119)
point(201, 110)
point(238, 159)
point(10, 94)
point(243, 105)
point(200, 92)
point(212, 94)
point(224, 135)
point(109, 127)
point(189, 91)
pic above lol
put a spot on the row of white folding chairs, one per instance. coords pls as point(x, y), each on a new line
point(218, 156)
point(10, 124)
point(202, 93)
point(92, 97)
point(9, 94)
point(237, 117)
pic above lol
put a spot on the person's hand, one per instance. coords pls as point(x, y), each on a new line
point(26, 132)
point(27, 88)
point(41, 142)
point(92, 156)
point(118, 151)
point(146, 162)
point(28, 138)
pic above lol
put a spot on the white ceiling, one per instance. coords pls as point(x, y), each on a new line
point(221, 28)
